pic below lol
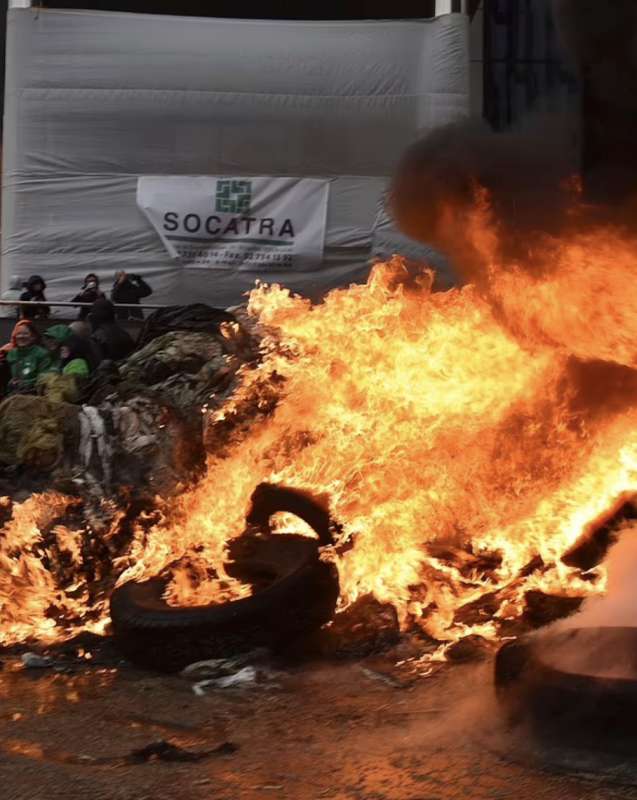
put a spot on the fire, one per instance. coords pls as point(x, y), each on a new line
point(32, 605)
point(449, 430)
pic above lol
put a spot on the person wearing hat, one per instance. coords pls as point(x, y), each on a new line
point(34, 290)
point(70, 353)
point(89, 293)
point(69, 367)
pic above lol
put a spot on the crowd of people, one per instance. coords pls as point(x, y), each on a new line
point(126, 290)
point(73, 350)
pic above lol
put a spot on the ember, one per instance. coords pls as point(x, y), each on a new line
point(464, 449)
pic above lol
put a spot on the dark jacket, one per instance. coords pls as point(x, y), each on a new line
point(92, 353)
point(29, 293)
point(113, 341)
point(131, 291)
point(87, 294)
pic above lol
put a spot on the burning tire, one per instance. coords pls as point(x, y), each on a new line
point(575, 687)
point(293, 592)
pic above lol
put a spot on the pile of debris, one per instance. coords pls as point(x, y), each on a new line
point(139, 423)
point(139, 431)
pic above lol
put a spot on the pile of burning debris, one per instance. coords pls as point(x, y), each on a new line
point(447, 474)
point(449, 466)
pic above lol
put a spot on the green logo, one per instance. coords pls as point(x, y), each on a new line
point(233, 197)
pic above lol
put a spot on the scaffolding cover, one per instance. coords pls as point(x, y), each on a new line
point(97, 100)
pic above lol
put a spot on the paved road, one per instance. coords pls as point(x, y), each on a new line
point(326, 732)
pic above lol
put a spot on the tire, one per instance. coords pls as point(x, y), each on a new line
point(293, 593)
point(268, 499)
point(582, 705)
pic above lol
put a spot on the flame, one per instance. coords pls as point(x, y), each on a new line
point(460, 436)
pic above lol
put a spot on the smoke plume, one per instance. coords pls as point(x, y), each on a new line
point(534, 173)
point(618, 606)
point(526, 172)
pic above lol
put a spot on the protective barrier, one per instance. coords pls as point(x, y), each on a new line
point(96, 100)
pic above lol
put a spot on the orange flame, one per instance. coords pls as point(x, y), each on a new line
point(460, 422)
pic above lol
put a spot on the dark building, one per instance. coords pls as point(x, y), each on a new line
point(525, 65)
point(569, 55)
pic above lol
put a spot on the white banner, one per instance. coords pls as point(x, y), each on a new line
point(248, 224)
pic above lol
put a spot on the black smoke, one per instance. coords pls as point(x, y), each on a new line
point(530, 171)
point(527, 171)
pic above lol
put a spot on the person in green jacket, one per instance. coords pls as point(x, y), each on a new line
point(53, 339)
point(64, 381)
point(27, 361)
point(74, 357)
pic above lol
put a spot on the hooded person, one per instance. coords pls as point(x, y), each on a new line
point(34, 291)
point(21, 323)
point(27, 360)
point(5, 370)
point(12, 293)
point(129, 289)
point(52, 340)
point(65, 383)
point(89, 293)
point(114, 343)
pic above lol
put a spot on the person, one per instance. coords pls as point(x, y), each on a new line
point(27, 360)
point(64, 380)
point(89, 293)
point(13, 292)
point(92, 354)
point(113, 341)
point(80, 327)
point(21, 323)
point(75, 356)
point(52, 340)
point(5, 370)
point(34, 290)
point(129, 289)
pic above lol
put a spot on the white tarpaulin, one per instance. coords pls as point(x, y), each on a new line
point(238, 223)
point(95, 100)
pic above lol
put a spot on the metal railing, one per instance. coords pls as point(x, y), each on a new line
point(70, 304)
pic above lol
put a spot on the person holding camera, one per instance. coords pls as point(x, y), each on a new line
point(129, 289)
point(89, 293)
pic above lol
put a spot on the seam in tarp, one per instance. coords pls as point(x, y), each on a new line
point(211, 93)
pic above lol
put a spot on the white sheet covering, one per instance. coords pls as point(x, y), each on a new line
point(96, 99)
